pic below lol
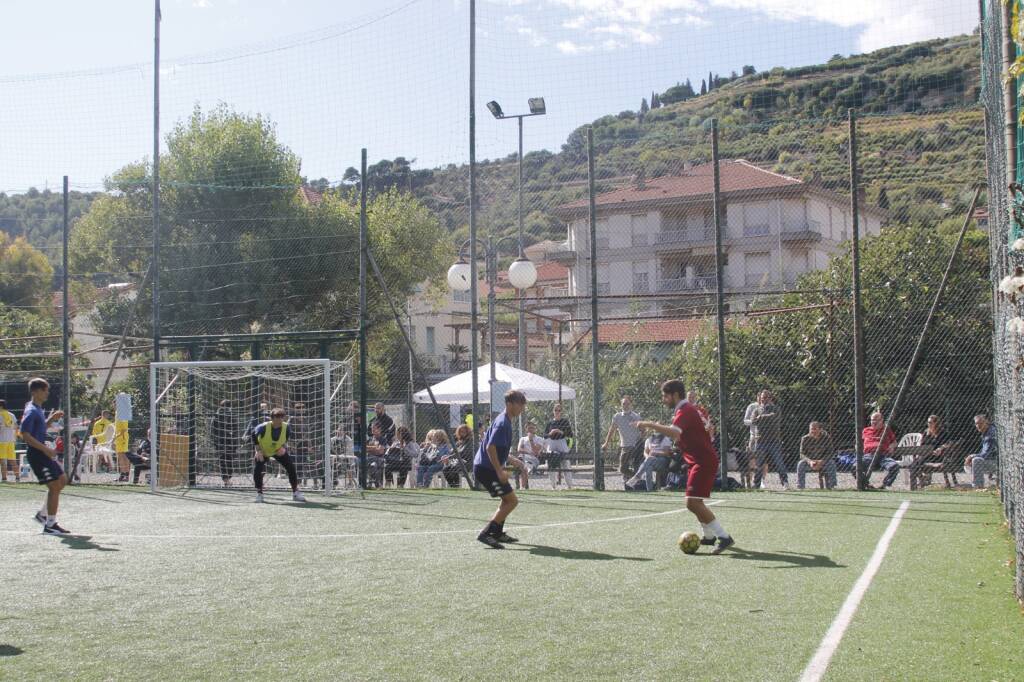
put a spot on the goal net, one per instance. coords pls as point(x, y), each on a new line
point(202, 415)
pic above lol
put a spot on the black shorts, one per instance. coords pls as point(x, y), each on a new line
point(44, 467)
point(487, 477)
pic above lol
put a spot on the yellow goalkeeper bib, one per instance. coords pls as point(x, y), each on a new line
point(270, 445)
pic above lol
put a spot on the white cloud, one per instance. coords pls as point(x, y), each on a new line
point(569, 47)
point(202, 4)
point(881, 22)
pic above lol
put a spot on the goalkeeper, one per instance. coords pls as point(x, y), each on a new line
point(270, 439)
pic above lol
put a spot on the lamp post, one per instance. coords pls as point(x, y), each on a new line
point(522, 274)
point(537, 108)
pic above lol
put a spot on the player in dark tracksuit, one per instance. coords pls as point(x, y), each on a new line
point(489, 469)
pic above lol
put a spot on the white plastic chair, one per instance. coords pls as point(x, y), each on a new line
point(97, 445)
point(908, 440)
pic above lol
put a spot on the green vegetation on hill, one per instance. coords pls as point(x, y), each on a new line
point(38, 216)
point(921, 142)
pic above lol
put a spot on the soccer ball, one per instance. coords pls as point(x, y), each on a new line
point(689, 542)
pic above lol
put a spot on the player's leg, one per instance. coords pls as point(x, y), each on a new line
point(699, 482)
point(493, 533)
point(53, 488)
point(259, 468)
point(286, 461)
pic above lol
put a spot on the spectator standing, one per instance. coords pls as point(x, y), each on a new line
point(225, 440)
point(816, 454)
point(768, 418)
point(560, 423)
point(629, 436)
point(744, 463)
point(99, 433)
point(987, 460)
point(876, 436)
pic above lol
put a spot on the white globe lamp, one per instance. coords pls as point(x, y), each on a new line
point(459, 276)
point(522, 274)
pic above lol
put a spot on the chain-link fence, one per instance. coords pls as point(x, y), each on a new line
point(261, 207)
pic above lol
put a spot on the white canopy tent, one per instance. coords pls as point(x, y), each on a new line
point(458, 390)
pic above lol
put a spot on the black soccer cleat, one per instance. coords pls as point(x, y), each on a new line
point(723, 544)
point(40, 517)
point(505, 537)
point(490, 541)
point(709, 541)
point(55, 529)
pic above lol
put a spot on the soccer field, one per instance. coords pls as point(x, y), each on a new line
point(392, 585)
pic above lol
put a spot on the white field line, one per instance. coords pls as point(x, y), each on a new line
point(819, 662)
point(299, 536)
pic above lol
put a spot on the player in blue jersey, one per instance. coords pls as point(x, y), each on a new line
point(42, 457)
point(489, 469)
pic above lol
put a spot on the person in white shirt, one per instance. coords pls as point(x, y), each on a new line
point(557, 448)
point(530, 447)
point(657, 456)
point(745, 469)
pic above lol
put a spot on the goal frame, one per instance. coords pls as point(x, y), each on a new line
point(155, 367)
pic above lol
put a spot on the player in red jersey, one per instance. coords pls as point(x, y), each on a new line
point(694, 443)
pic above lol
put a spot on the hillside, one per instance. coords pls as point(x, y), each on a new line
point(39, 217)
point(921, 138)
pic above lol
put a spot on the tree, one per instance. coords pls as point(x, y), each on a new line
point(242, 248)
point(711, 82)
point(26, 277)
point(644, 109)
point(703, 87)
point(749, 70)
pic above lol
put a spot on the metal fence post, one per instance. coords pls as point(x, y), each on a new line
point(595, 345)
point(723, 399)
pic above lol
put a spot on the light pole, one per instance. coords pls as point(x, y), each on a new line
point(537, 108)
point(522, 274)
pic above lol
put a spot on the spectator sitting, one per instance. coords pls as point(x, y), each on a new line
point(556, 448)
point(399, 456)
point(140, 458)
point(433, 457)
point(939, 443)
point(816, 454)
point(657, 456)
point(986, 461)
point(462, 456)
point(530, 447)
point(375, 457)
point(385, 422)
point(877, 436)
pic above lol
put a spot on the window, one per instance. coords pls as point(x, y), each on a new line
point(461, 297)
point(756, 221)
point(431, 342)
point(638, 228)
point(641, 283)
point(756, 268)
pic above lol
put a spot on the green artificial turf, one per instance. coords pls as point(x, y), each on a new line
point(392, 585)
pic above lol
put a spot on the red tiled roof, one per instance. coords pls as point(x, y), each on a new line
point(735, 176)
point(550, 271)
point(310, 196)
point(648, 331)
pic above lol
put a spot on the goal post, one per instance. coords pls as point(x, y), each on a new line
point(202, 415)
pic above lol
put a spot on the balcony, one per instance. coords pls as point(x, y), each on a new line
point(808, 232)
point(687, 284)
point(682, 239)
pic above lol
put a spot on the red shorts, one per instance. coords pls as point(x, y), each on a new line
point(701, 479)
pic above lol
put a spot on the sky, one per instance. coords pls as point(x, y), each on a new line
point(76, 81)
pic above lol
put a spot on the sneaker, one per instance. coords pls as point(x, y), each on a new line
point(490, 541)
point(505, 537)
point(55, 529)
point(709, 541)
point(40, 517)
point(297, 496)
point(259, 497)
point(723, 544)
point(123, 478)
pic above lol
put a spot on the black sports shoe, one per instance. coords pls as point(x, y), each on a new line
point(55, 529)
point(504, 537)
point(708, 541)
point(40, 517)
point(490, 541)
point(723, 544)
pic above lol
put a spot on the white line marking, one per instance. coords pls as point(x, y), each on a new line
point(819, 662)
point(300, 536)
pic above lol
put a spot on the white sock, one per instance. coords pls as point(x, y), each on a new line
point(708, 533)
point(716, 527)
point(50, 520)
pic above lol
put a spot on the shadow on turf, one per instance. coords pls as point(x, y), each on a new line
point(84, 542)
point(787, 559)
point(9, 650)
point(576, 554)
